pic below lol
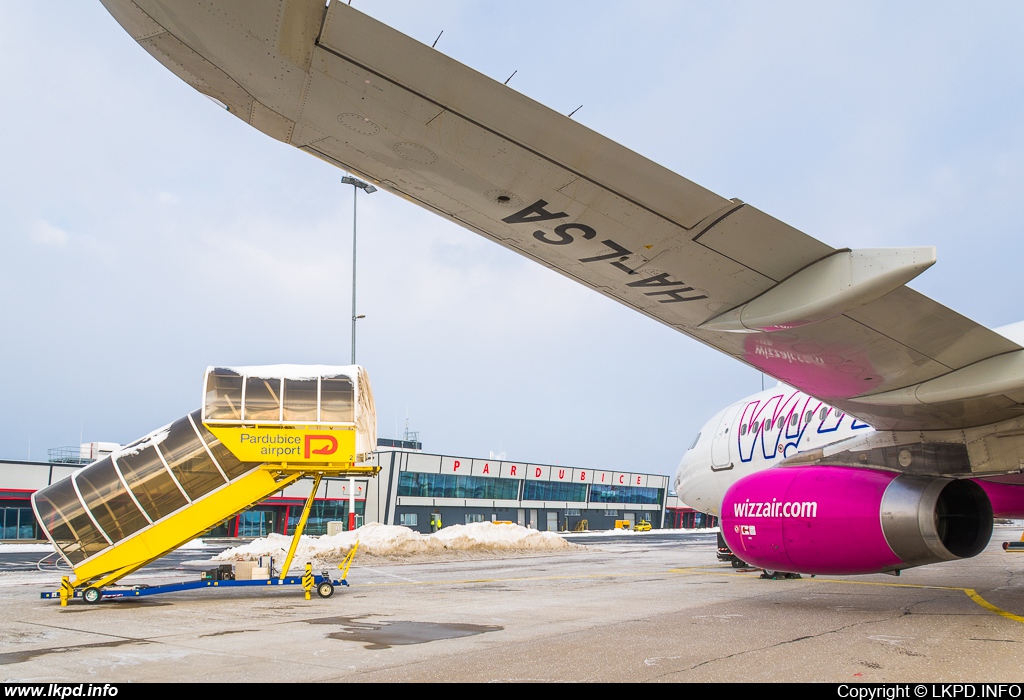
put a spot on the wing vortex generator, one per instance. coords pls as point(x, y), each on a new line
point(259, 430)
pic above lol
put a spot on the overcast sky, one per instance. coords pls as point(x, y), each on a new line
point(147, 234)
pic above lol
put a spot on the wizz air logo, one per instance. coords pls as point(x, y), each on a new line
point(775, 509)
point(779, 424)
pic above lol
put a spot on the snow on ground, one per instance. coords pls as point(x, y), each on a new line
point(629, 533)
point(396, 542)
point(26, 547)
point(197, 544)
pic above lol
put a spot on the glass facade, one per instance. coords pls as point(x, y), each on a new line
point(322, 513)
point(337, 404)
point(227, 461)
point(233, 398)
point(457, 486)
point(108, 502)
point(625, 494)
point(262, 399)
point(188, 460)
point(223, 395)
point(64, 517)
point(150, 482)
point(554, 491)
point(300, 399)
point(17, 523)
point(72, 524)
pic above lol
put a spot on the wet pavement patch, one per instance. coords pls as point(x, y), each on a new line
point(17, 657)
point(221, 634)
point(384, 635)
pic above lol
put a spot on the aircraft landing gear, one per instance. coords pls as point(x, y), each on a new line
point(776, 575)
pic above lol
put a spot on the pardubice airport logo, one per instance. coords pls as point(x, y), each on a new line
point(291, 445)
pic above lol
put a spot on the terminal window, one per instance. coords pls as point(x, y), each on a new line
point(262, 399)
point(625, 494)
point(18, 523)
point(336, 402)
point(224, 396)
point(300, 399)
point(453, 486)
point(408, 519)
point(554, 491)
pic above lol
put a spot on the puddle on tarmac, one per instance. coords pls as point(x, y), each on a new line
point(221, 634)
point(384, 635)
point(17, 657)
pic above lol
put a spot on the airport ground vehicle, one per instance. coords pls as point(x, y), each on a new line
point(725, 554)
point(259, 430)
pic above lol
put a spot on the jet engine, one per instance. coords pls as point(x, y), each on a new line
point(848, 520)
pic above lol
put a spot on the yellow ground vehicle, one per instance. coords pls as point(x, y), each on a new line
point(259, 430)
point(623, 524)
point(642, 526)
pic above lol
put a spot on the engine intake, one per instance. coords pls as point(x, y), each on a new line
point(848, 520)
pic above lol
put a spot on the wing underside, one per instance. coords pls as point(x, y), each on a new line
point(356, 93)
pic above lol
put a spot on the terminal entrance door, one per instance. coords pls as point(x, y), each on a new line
point(521, 520)
point(552, 521)
point(255, 523)
point(721, 449)
point(534, 525)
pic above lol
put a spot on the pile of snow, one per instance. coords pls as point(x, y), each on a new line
point(390, 541)
point(636, 533)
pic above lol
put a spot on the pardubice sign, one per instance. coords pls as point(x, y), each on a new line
point(435, 464)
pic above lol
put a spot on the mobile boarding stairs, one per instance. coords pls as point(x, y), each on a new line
point(259, 430)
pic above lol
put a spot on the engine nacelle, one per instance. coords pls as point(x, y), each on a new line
point(845, 520)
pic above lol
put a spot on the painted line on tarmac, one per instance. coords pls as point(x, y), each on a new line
point(973, 595)
point(386, 573)
point(969, 592)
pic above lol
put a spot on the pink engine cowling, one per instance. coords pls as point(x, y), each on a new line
point(845, 520)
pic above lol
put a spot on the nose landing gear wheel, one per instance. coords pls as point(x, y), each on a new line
point(92, 595)
point(325, 590)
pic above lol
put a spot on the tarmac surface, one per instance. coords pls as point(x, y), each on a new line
point(646, 607)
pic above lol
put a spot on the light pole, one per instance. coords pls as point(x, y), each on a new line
point(357, 185)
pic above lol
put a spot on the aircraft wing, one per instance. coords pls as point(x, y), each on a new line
point(839, 325)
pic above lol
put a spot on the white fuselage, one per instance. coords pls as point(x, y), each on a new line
point(754, 434)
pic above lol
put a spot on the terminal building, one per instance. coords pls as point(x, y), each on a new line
point(412, 489)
